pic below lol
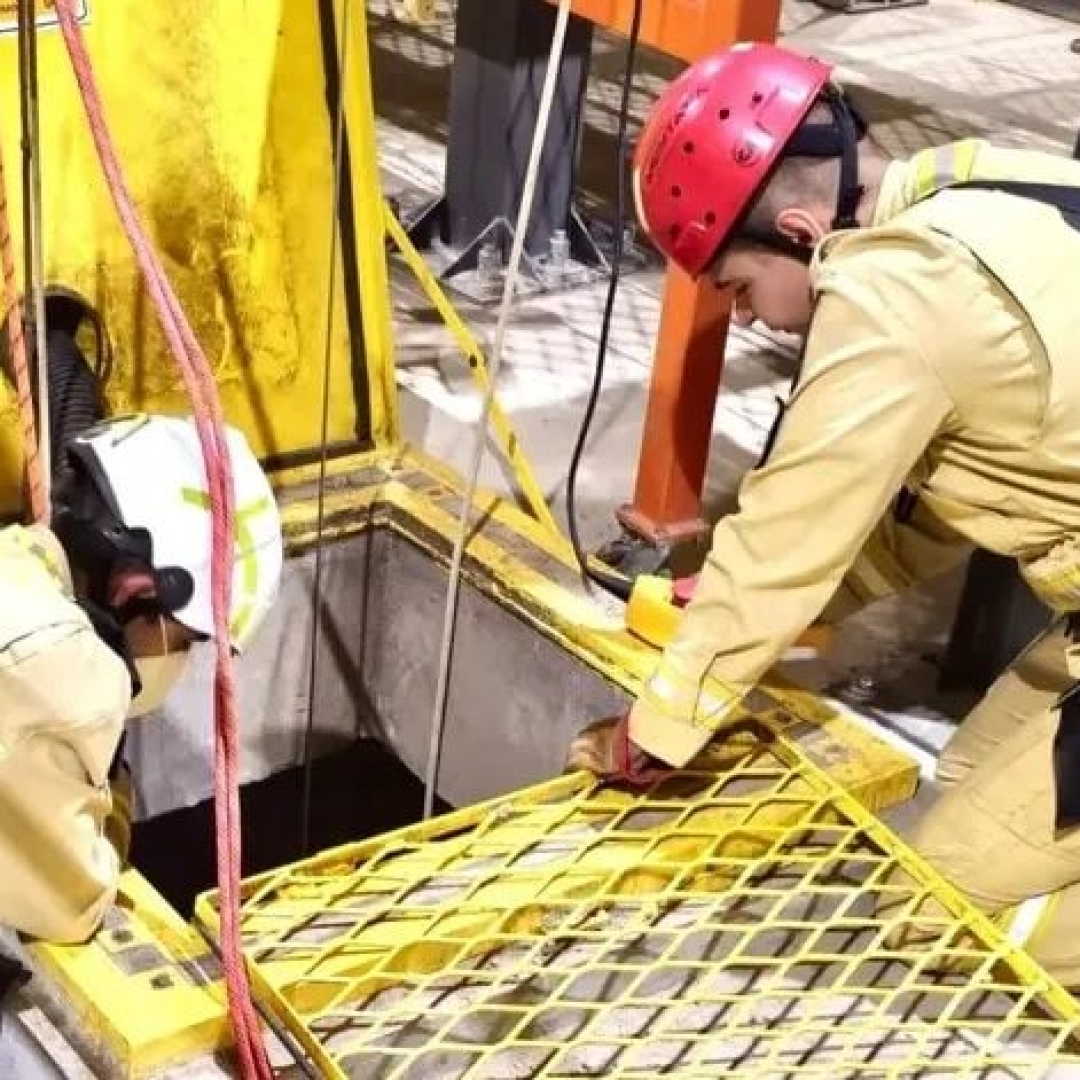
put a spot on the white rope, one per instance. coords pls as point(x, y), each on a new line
point(438, 720)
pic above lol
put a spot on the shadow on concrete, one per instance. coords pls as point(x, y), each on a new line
point(1059, 9)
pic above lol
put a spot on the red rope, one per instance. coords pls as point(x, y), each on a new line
point(16, 334)
point(201, 388)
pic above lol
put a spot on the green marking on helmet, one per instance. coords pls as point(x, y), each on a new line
point(246, 558)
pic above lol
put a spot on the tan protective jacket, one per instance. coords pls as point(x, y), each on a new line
point(64, 696)
point(944, 353)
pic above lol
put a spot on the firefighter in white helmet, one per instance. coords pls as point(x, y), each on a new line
point(97, 618)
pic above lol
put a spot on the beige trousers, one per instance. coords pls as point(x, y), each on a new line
point(991, 832)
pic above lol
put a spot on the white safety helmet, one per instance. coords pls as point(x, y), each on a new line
point(149, 471)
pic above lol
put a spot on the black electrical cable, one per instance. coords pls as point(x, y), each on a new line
point(610, 580)
point(336, 57)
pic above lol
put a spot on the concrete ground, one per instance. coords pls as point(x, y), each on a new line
point(922, 75)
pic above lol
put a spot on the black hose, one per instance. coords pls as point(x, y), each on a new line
point(610, 580)
point(75, 402)
point(75, 387)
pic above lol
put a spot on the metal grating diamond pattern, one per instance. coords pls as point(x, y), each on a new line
point(733, 918)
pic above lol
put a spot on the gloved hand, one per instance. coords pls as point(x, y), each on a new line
point(605, 749)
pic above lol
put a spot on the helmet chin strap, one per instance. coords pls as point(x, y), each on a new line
point(851, 130)
point(839, 139)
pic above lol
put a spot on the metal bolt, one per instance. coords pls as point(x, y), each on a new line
point(488, 264)
point(560, 253)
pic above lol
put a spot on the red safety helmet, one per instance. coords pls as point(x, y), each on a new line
point(716, 134)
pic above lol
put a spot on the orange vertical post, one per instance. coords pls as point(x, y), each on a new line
point(687, 29)
point(687, 369)
point(689, 357)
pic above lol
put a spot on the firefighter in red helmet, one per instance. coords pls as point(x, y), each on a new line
point(714, 140)
point(935, 407)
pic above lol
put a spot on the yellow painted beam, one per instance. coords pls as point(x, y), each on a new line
point(147, 986)
point(226, 145)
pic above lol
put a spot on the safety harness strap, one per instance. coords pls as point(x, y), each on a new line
point(1067, 749)
point(1062, 198)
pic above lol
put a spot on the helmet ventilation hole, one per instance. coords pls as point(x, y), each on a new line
point(724, 114)
point(757, 99)
point(688, 147)
point(676, 191)
point(710, 218)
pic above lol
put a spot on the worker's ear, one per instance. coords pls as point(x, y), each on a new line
point(801, 226)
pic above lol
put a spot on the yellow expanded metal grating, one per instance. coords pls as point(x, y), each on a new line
point(725, 922)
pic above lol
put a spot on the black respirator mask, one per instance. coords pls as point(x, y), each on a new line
point(88, 525)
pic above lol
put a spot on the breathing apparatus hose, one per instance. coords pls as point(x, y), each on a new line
point(75, 401)
point(608, 579)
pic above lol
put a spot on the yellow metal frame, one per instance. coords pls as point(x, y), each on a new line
point(367, 942)
point(726, 919)
point(147, 985)
point(549, 596)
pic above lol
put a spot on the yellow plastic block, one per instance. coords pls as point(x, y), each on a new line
point(147, 986)
point(653, 615)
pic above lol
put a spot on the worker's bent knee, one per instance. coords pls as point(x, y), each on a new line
point(992, 835)
point(1046, 928)
point(1053, 939)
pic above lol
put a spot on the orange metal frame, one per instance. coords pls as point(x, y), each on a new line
point(689, 357)
point(688, 29)
point(687, 366)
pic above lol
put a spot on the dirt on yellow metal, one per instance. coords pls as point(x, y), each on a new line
point(147, 987)
point(725, 920)
point(220, 116)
